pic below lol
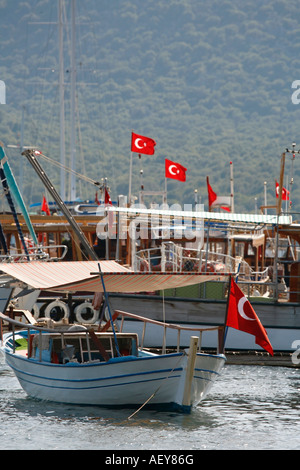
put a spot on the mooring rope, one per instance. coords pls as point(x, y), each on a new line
point(161, 384)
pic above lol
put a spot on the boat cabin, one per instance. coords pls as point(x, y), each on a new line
point(77, 347)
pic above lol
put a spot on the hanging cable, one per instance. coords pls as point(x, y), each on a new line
point(58, 164)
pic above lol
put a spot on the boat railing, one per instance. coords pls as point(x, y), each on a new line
point(248, 274)
point(65, 329)
point(170, 326)
point(38, 337)
point(176, 258)
point(39, 253)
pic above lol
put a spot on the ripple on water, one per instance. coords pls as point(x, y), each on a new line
point(248, 408)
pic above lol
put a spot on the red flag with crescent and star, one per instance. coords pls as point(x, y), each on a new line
point(107, 199)
point(242, 316)
point(285, 192)
point(174, 170)
point(142, 144)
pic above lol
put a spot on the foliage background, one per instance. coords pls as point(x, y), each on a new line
point(209, 80)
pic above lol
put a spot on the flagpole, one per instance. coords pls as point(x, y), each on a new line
point(231, 187)
point(225, 328)
point(130, 180)
point(280, 183)
point(228, 297)
point(265, 196)
point(165, 201)
point(108, 307)
point(286, 197)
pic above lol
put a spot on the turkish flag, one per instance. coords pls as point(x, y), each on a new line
point(212, 196)
point(142, 144)
point(96, 199)
point(107, 200)
point(213, 199)
point(174, 170)
point(285, 192)
point(242, 316)
point(45, 207)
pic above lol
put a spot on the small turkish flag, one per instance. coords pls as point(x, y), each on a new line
point(285, 193)
point(174, 170)
point(142, 144)
point(242, 316)
point(212, 196)
point(45, 207)
point(107, 199)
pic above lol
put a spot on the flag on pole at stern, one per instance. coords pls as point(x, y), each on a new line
point(241, 316)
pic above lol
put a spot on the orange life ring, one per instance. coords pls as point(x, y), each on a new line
point(144, 266)
point(209, 268)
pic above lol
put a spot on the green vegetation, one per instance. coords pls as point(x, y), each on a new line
point(209, 80)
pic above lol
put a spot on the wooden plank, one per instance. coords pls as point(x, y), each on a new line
point(99, 345)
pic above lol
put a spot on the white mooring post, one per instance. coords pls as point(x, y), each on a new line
point(190, 371)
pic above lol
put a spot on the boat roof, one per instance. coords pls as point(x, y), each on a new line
point(84, 276)
point(231, 217)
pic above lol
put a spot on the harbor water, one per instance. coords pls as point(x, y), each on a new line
point(249, 408)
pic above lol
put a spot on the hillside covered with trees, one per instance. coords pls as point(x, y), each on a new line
point(210, 81)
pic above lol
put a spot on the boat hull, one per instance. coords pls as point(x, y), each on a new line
point(126, 382)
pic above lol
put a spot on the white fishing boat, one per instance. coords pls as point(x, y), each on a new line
point(75, 364)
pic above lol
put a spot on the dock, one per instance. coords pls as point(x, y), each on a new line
point(257, 358)
point(253, 358)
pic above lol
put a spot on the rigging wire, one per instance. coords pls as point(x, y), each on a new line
point(60, 165)
point(75, 241)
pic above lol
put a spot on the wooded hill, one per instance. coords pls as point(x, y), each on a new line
point(210, 81)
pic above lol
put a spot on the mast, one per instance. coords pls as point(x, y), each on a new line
point(12, 184)
point(31, 157)
point(73, 86)
point(61, 102)
point(231, 188)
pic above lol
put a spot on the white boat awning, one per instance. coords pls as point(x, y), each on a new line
point(84, 276)
point(247, 218)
